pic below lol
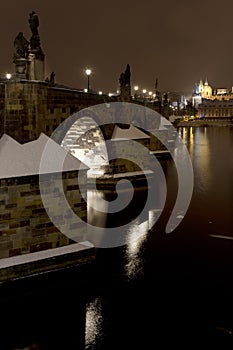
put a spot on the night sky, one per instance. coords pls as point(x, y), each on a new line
point(177, 42)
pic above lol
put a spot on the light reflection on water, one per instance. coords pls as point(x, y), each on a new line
point(211, 154)
point(197, 141)
point(137, 236)
point(93, 327)
point(136, 232)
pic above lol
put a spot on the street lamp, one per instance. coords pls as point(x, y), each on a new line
point(135, 89)
point(144, 93)
point(88, 73)
point(8, 76)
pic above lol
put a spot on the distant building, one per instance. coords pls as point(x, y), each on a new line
point(207, 92)
point(221, 91)
point(205, 89)
point(215, 109)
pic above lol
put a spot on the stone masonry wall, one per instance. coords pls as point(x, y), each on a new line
point(24, 224)
point(30, 108)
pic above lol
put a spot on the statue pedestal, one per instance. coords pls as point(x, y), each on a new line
point(36, 67)
point(21, 65)
point(125, 92)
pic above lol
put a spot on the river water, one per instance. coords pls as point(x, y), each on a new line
point(159, 291)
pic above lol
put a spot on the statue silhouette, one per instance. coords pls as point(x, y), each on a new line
point(125, 77)
point(34, 24)
point(21, 46)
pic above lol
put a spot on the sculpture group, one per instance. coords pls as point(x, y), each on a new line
point(22, 46)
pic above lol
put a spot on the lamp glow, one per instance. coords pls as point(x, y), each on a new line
point(88, 73)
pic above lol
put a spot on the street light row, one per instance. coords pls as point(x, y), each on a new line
point(136, 88)
point(88, 73)
point(144, 91)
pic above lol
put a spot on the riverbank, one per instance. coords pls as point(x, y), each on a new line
point(205, 123)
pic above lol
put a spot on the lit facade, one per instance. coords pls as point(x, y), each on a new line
point(216, 109)
point(204, 91)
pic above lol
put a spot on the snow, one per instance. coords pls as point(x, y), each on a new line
point(132, 133)
point(24, 159)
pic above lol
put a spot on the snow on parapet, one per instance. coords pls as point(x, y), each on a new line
point(25, 159)
point(132, 133)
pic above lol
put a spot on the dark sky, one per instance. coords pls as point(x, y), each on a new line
point(176, 41)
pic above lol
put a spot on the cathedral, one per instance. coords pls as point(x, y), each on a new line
point(204, 91)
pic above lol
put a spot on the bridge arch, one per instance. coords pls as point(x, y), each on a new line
point(84, 133)
point(85, 141)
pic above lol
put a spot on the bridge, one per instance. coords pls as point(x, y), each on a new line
point(95, 134)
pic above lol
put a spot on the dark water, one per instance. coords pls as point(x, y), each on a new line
point(162, 291)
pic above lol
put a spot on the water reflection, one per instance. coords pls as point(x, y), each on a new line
point(94, 200)
point(211, 154)
point(96, 312)
point(93, 328)
point(137, 236)
point(201, 158)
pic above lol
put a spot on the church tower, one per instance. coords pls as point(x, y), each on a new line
point(207, 90)
point(201, 87)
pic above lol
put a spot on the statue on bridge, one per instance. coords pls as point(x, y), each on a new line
point(21, 47)
point(52, 79)
point(125, 88)
point(125, 77)
point(34, 24)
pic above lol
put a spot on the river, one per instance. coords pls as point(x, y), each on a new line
point(159, 291)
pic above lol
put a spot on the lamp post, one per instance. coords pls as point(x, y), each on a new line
point(135, 89)
point(144, 94)
point(88, 73)
point(8, 77)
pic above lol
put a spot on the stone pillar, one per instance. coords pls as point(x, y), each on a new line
point(125, 92)
point(36, 67)
point(125, 85)
point(21, 68)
